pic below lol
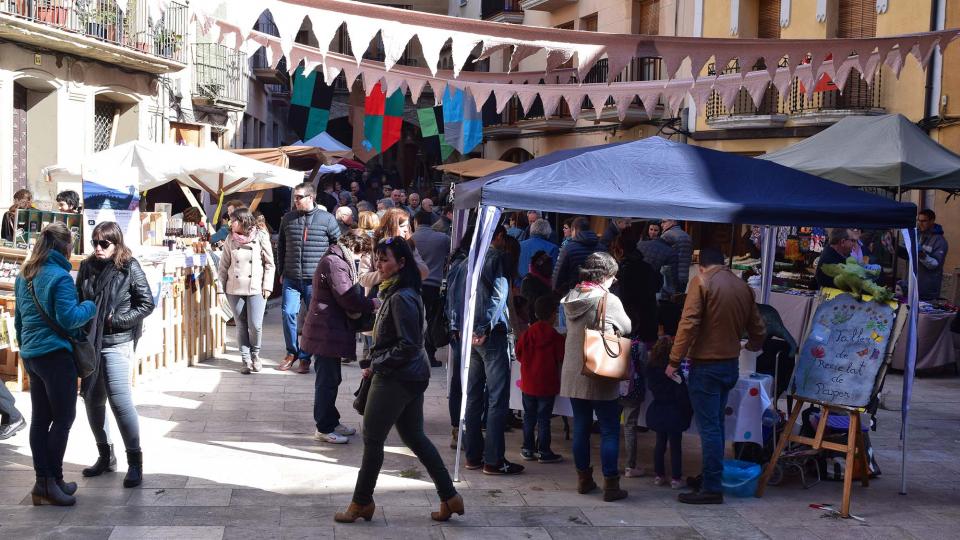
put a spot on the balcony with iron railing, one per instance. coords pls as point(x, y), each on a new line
point(266, 72)
point(219, 76)
point(826, 106)
point(129, 37)
point(639, 69)
point(506, 11)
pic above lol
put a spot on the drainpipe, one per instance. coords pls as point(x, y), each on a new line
point(931, 106)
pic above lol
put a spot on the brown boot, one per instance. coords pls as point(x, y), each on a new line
point(611, 489)
point(287, 363)
point(585, 483)
point(453, 505)
point(355, 512)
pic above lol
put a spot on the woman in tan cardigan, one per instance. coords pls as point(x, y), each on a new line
point(589, 396)
point(246, 273)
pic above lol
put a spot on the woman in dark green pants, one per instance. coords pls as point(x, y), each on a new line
point(400, 373)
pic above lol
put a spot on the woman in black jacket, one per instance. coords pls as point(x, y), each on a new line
point(113, 279)
point(399, 372)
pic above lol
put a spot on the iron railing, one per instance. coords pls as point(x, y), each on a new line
point(219, 73)
point(639, 69)
point(104, 20)
point(743, 104)
point(490, 8)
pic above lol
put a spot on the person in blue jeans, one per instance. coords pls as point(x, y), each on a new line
point(490, 366)
point(719, 309)
point(306, 233)
point(45, 284)
point(591, 396)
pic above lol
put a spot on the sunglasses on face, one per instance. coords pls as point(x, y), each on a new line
point(298, 197)
point(102, 244)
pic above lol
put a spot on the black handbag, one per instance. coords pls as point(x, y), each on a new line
point(84, 353)
point(360, 403)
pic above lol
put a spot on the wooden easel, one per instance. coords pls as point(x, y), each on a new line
point(853, 446)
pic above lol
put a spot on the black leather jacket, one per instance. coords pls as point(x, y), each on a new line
point(398, 335)
point(132, 300)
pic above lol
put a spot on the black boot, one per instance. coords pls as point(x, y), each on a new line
point(106, 462)
point(67, 487)
point(46, 491)
point(134, 469)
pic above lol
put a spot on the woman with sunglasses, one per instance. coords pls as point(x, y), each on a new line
point(246, 271)
point(113, 279)
point(400, 372)
point(45, 283)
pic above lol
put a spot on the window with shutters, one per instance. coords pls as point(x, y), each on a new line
point(649, 17)
point(104, 113)
point(589, 23)
point(857, 19)
point(768, 23)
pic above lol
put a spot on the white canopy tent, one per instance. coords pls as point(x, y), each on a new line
point(324, 141)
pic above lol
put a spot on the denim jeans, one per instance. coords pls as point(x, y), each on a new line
point(490, 370)
point(631, 413)
point(608, 414)
point(455, 392)
point(113, 385)
point(397, 403)
point(325, 387)
point(8, 410)
point(248, 314)
point(676, 454)
point(53, 393)
point(537, 411)
point(295, 293)
point(709, 385)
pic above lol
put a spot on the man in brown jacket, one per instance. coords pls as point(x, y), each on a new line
point(720, 308)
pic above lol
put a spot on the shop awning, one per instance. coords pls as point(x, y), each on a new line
point(475, 168)
point(886, 151)
point(208, 169)
point(281, 156)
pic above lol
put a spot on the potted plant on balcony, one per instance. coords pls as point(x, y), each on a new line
point(52, 11)
point(100, 22)
point(166, 42)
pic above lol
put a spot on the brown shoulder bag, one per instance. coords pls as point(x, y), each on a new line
point(605, 356)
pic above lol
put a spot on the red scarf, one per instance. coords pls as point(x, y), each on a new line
point(242, 240)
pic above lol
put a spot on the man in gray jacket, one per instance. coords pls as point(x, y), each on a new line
point(434, 247)
point(931, 254)
point(306, 232)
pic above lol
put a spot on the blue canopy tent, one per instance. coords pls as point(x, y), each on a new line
point(655, 177)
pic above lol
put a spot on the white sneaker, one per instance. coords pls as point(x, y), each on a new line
point(344, 430)
point(677, 484)
point(332, 438)
point(634, 472)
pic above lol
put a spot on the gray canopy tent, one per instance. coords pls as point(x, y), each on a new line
point(886, 151)
point(656, 177)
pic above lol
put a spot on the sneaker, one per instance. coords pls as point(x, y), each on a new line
point(634, 472)
point(344, 430)
point(677, 483)
point(528, 455)
point(472, 465)
point(659, 481)
point(9, 430)
point(287, 363)
point(550, 458)
point(332, 438)
point(504, 467)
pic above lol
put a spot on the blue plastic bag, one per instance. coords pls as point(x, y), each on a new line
point(740, 477)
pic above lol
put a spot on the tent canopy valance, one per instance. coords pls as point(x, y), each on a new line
point(654, 177)
point(208, 169)
point(887, 151)
point(475, 167)
point(280, 157)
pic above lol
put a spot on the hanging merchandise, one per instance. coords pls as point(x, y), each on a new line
point(309, 104)
point(462, 122)
point(431, 130)
point(382, 120)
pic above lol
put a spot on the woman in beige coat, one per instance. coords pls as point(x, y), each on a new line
point(246, 274)
point(589, 396)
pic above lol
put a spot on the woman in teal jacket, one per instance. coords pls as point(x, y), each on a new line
point(48, 358)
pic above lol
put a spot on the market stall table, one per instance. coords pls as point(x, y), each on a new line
point(935, 342)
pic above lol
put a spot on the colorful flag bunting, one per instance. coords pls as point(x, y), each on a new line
point(382, 120)
point(462, 122)
point(309, 104)
point(431, 130)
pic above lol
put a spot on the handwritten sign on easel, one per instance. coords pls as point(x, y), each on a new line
point(844, 351)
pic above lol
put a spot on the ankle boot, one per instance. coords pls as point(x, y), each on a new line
point(611, 489)
point(67, 487)
point(453, 437)
point(355, 512)
point(585, 483)
point(106, 462)
point(134, 469)
point(46, 491)
point(453, 505)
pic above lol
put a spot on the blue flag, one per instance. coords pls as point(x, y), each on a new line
point(462, 123)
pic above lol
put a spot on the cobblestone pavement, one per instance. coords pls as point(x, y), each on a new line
point(233, 456)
